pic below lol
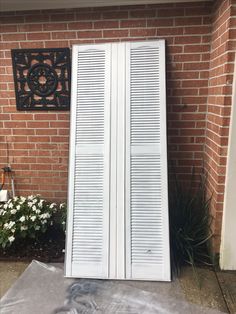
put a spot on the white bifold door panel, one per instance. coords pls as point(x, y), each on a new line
point(117, 199)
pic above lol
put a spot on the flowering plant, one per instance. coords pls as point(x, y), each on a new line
point(27, 217)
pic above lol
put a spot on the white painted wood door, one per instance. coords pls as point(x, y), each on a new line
point(118, 205)
point(88, 196)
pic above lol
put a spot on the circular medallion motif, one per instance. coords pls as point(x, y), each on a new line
point(42, 79)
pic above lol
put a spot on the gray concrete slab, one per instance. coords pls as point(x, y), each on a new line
point(43, 290)
point(9, 273)
point(202, 287)
point(227, 281)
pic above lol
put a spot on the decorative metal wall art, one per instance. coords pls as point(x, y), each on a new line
point(42, 78)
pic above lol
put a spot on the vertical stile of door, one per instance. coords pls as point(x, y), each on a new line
point(147, 229)
point(121, 84)
point(113, 171)
point(88, 206)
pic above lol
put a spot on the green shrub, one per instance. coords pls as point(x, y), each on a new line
point(28, 217)
point(190, 223)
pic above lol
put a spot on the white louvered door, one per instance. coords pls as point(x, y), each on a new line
point(118, 209)
point(146, 163)
point(87, 249)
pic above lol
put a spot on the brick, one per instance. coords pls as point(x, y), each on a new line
point(132, 23)
point(38, 36)
point(36, 124)
point(198, 11)
point(63, 17)
point(80, 25)
point(39, 18)
point(142, 13)
point(31, 45)
point(183, 21)
point(143, 32)
point(106, 24)
point(13, 37)
point(196, 48)
point(22, 116)
point(169, 31)
point(197, 30)
point(12, 19)
point(54, 26)
point(56, 44)
point(186, 57)
point(170, 12)
point(88, 16)
point(30, 28)
point(8, 29)
point(63, 35)
point(115, 33)
point(114, 15)
point(89, 34)
point(187, 40)
point(160, 22)
point(45, 116)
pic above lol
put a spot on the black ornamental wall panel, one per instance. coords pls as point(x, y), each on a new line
point(42, 78)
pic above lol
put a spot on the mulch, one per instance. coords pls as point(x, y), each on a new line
point(48, 248)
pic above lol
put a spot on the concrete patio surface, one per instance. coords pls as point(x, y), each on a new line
point(215, 292)
point(9, 273)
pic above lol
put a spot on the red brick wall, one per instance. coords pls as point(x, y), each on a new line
point(38, 141)
point(199, 42)
point(219, 103)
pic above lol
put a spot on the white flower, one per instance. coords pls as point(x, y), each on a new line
point(10, 205)
point(11, 239)
point(13, 211)
point(52, 205)
point(34, 208)
point(11, 224)
point(35, 201)
point(22, 218)
point(44, 222)
point(15, 198)
point(38, 211)
point(13, 230)
point(2, 212)
point(30, 204)
point(5, 206)
point(33, 218)
point(18, 207)
point(45, 216)
point(62, 205)
point(22, 228)
point(31, 197)
point(22, 198)
point(40, 204)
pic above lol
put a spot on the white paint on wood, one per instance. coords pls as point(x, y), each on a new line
point(146, 168)
point(118, 209)
point(88, 206)
point(228, 237)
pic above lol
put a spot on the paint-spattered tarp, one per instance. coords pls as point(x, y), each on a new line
point(42, 289)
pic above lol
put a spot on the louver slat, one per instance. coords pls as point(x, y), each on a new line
point(148, 256)
point(89, 254)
